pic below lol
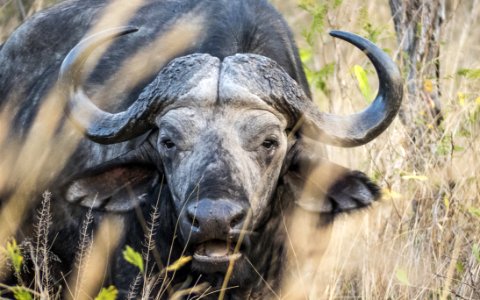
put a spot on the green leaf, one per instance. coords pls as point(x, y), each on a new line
point(373, 32)
point(306, 4)
point(446, 202)
point(318, 13)
point(109, 293)
point(133, 257)
point(363, 83)
point(469, 73)
point(319, 78)
point(474, 211)
point(15, 255)
point(476, 252)
point(322, 76)
point(461, 97)
point(445, 146)
point(402, 276)
point(305, 55)
point(460, 267)
point(20, 293)
point(337, 3)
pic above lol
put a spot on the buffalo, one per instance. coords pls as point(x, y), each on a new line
point(220, 138)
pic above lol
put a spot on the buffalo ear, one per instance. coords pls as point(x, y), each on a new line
point(320, 186)
point(118, 188)
point(352, 191)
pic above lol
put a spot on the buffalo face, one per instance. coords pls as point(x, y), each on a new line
point(226, 135)
point(221, 149)
point(222, 168)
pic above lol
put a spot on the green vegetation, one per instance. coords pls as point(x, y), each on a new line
point(134, 258)
point(109, 293)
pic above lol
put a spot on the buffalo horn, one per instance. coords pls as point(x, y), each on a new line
point(99, 126)
point(360, 128)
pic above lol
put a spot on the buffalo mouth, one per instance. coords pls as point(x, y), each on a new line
point(216, 252)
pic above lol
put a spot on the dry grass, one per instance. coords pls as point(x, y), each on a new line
point(421, 241)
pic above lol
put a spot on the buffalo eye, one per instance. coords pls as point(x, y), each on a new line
point(168, 144)
point(269, 144)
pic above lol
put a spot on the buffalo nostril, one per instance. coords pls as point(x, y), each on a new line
point(214, 216)
point(237, 220)
point(192, 218)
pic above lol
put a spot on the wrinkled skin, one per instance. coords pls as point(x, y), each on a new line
point(222, 158)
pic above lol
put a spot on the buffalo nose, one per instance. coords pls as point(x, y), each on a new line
point(215, 216)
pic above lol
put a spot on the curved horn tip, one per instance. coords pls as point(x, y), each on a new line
point(106, 128)
point(355, 39)
point(107, 34)
point(126, 29)
point(342, 34)
point(97, 38)
point(373, 120)
point(335, 33)
point(111, 33)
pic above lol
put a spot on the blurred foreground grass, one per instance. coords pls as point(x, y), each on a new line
point(422, 241)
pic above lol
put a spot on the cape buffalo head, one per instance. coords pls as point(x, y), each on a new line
point(224, 135)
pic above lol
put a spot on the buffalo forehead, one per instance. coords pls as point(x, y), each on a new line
point(242, 80)
point(253, 78)
point(190, 80)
